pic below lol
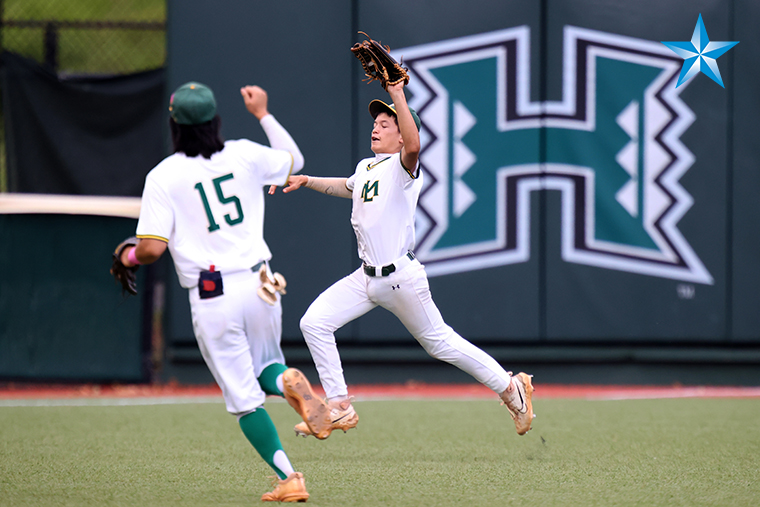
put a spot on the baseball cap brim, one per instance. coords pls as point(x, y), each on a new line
point(377, 106)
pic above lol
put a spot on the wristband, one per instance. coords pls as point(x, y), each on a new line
point(132, 257)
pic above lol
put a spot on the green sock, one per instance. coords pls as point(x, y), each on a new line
point(268, 378)
point(259, 429)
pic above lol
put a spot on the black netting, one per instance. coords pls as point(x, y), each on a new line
point(87, 36)
point(79, 38)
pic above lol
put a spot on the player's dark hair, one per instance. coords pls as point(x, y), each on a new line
point(193, 140)
point(395, 118)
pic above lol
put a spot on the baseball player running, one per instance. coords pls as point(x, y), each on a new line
point(206, 204)
point(385, 190)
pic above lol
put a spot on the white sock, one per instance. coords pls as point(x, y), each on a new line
point(282, 462)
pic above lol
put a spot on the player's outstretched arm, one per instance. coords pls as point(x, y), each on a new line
point(410, 152)
point(328, 186)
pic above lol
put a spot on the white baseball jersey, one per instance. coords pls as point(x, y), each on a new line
point(207, 208)
point(211, 212)
point(384, 198)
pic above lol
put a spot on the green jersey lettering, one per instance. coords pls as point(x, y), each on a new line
point(213, 226)
point(367, 189)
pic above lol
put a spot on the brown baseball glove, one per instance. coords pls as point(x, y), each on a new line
point(378, 64)
point(126, 276)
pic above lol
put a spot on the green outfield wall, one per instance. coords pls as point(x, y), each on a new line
point(676, 260)
point(580, 211)
point(647, 259)
point(62, 316)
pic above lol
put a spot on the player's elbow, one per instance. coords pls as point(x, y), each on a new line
point(150, 250)
point(298, 161)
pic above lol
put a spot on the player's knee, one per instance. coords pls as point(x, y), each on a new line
point(438, 347)
point(309, 324)
point(435, 350)
point(317, 322)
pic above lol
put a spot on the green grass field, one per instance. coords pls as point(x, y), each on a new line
point(682, 452)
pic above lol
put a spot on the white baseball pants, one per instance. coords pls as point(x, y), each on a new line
point(239, 335)
point(406, 294)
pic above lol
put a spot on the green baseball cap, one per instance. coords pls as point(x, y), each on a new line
point(377, 106)
point(192, 104)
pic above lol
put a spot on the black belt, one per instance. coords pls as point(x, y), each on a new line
point(385, 270)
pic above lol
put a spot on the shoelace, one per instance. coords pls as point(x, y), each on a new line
point(275, 480)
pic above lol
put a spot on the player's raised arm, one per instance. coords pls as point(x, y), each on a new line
point(257, 101)
point(410, 152)
point(328, 186)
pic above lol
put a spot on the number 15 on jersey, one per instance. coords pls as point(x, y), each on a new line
point(212, 224)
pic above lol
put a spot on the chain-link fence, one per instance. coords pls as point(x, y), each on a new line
point(86, 36)
point(83, 37)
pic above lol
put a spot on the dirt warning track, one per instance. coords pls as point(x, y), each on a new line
point(411, 390)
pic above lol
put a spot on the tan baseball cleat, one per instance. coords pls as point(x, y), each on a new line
point(312, 409)
point(342, 418)
point(519, 402)
point(291, 489)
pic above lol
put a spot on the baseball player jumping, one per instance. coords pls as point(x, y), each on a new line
point(385, 190)
point(206, 204)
